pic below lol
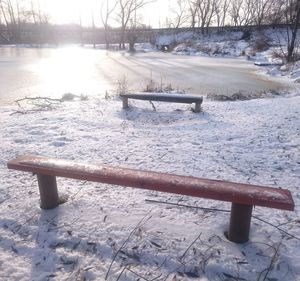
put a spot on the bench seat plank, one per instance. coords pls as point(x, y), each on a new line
point(185, 185)
point(179, 98)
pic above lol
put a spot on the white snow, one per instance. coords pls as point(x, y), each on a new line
point(145, 47)
point(254, 141)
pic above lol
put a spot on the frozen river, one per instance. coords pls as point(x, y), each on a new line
point(53, 72)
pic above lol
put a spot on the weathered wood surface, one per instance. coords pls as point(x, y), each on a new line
point(237, 193)
point(178, 98)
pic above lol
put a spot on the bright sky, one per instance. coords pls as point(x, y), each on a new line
point(66, 11)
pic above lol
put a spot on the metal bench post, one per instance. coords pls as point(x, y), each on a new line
point(197, 106)
point(125, 102)
point(240, 220)
point(48, 191)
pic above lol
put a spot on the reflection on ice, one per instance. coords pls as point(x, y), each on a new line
point(69, 69)
point(53, 72)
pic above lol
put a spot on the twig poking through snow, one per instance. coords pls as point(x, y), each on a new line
point(125, 267)
point(141, 222)
point(140, 276)
point(271, 265)
point(154, 108)
point(280, 229)
point(182, 257)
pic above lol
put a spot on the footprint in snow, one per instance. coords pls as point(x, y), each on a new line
point(61, 141)
point(36, 133)
point(58, 143)
point(20, 141)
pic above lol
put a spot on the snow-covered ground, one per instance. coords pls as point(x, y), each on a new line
point(112, 232)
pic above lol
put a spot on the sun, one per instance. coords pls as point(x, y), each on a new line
point(83, 12)
point(71, 11)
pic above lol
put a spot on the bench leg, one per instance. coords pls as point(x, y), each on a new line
point(48, 191)
point(125, 102)
point(197, 107)
point(240, 220)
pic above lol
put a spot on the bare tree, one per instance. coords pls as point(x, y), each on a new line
point(275, 14)
point(222, 7)
point(192, 10)
point(39, 16)
point(3, 13)
point(2, 25)
point(292, 14)
point(16, 14)
point(10, 14)
point(180, 16)
point(127, 12)
point(206, 11)
point(40, 20)
point(107, 9)
point(167, 23)
point(235, 11)
point(241, 12)
point(260, 10)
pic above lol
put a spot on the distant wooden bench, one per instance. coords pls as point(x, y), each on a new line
point(178, 98)
point(242, 196)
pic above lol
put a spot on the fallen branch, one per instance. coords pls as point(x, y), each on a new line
point(222, 210)
point(39, 98)
point(272, 261)
point(140, 223)
point(151, 102)
point(280, 229)
point(187, 206)
point(125, 267)
point(188, 248)
point(44, 103)
point(138, 275)
point(38, 103)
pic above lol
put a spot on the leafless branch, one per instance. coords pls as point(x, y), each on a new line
point(138, 275)
point(280, 229)
point(222, 210)
point(187, 206)
point(272, 262)
point(38, 103)
point(188, 248)
point(125, 267)
point(151, 102)
point(140, 223)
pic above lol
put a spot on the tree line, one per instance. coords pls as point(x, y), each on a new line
point(15, 14)
point(204, 13)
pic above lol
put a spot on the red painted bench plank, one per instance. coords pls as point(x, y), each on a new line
point(245, 194)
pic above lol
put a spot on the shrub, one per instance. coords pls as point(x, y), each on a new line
point(122, 85)
point(260, 45)
point(204, 49)
point(278, 54)
point(246, 35)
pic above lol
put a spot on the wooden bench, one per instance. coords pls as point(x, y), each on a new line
point(178, 98)
point(242, 196)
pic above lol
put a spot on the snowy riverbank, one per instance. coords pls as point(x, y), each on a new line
point(266, 48)
point(254, 141)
